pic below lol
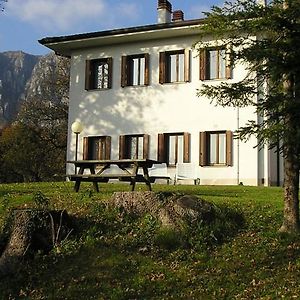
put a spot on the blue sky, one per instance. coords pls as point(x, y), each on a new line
point(25, 21)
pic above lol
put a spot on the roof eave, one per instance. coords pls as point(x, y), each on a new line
point(65, 45)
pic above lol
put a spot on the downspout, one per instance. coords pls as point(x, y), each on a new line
point(238, 148)
point(278, 163)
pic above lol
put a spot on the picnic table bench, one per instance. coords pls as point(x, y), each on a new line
point(99, 171)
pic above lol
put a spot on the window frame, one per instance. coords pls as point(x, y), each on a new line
point(90, 74)
point(204, 63)
point(163, 147)
point(125, 146)
point(204, 138)
point(164, 69)
point(87, 147)
point(127, 74)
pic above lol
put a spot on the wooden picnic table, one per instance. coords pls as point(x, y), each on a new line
point(99, 171)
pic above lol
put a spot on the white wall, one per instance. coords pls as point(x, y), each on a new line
point(157, 109)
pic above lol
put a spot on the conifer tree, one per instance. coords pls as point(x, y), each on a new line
point(265, 37)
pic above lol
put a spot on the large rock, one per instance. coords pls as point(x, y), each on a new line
point(170, 208)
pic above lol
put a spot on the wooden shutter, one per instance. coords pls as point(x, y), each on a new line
point(124, 77)
point(203, 149)
point(203, 64)
point(162, 67)
point(187, 64)
point(107, 147)
point(88, 75)
point(110, 68)
point(186, 147)
point(147, 64)
point(229, 146)
point(161, 148)
point(228, 70)
point(146, 139)
point(122, 147)
point(85, 153)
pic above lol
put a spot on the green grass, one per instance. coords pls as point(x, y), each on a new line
point(117, 256)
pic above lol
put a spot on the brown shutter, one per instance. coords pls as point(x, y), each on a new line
point(122, 147)
point(107, 147)
point(85, 153)
point(187, 64)
point(146, 139)
point(202, 63)
point(186, 147)
point(124, 71)
point(146, 76)
point(110, 68)
point(203, 149)
point(161, 150)
point(88, 75)
point(228, 70)
point(229, 142)
point(162, 67)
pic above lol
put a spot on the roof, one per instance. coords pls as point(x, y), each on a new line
point(66, 44)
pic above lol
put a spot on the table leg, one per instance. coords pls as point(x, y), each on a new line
point(133, 179)
point(147, 178)
point(95, 184)
point(78, 180)
point(77, 185)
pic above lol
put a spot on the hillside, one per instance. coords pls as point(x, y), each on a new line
point(114, 255)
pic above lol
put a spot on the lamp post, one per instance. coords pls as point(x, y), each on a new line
point(76, 127)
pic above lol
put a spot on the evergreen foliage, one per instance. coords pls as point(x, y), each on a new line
point(265, 39)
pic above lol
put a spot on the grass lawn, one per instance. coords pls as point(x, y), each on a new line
point(114, 256)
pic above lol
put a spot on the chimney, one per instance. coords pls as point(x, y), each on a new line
point(164, 11)
point(178, 15)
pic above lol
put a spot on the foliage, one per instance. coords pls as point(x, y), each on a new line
point(27, 157)
point(116, 256)
point(40, 200)
point(266, 40)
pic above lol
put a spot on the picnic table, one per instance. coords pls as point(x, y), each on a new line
point(99, 171)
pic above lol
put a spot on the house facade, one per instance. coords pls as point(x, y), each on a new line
point(135, 92)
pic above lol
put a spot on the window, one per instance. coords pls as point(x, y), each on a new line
point(216, 148)
point(215, 64)
point(98, 74)
point(134, 146)
point(96, 147)
point(174, 148)
point(174, 66)
point(135, 70)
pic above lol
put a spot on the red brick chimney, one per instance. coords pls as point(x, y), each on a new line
point(164, 9)
point(178, 15)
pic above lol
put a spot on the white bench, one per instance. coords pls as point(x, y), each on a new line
point(159, 171)
point(187, 171)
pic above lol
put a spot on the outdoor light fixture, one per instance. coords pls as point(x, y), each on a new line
point(77, 128)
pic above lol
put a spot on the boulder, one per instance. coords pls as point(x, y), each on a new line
point(171, 209)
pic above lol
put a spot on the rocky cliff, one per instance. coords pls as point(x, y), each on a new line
point(15, 71)
point(24, 76)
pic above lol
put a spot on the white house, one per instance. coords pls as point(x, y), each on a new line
point(135, 92)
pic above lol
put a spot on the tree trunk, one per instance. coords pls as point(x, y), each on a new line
point(33, 230)
point(291, 194)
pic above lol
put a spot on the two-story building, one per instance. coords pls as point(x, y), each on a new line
point(135, 91)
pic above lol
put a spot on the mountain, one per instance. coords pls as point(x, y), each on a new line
point(16, 69)
point(25, 76)
point(49, 80)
